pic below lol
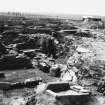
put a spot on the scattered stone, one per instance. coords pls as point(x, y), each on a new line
point(31, 82)
point(17, 101)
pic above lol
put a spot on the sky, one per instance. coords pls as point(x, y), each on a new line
point(87, 7)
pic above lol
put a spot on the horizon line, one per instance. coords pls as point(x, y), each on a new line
point(51, 14)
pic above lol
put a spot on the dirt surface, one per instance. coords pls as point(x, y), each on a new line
point(20, 76)
point(97, 48)
point(86, 50)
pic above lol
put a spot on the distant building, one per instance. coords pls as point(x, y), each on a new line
point(90, 18)
point(93, 22)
